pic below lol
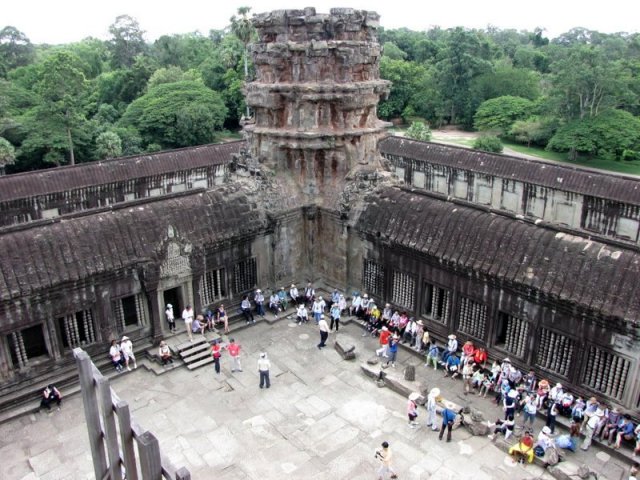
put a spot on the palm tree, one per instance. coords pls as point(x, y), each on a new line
point(242, 28)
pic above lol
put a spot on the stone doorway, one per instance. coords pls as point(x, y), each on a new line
point(174, 297)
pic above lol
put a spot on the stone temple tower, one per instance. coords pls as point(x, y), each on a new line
point(315, 97)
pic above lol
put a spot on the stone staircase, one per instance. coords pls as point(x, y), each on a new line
point(197, 354)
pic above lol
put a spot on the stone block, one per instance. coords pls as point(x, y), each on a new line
point(346, 349)
point(410, 373)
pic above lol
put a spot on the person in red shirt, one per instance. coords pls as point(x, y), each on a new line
point(467, 351)
point(216, 353)
point(234, 353)
point(480, 356)
point(385, 333)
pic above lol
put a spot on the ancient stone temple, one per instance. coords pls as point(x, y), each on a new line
point(533, 260)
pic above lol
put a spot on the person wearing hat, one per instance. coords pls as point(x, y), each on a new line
point(302, 314)
point(452, 347)
point(356, 301)
point(432, 406)
point(274, 304)
point(433, 355)
point(342, 303)
point(509, 403)
point(393, 350)
point(127, 352)
point(335, 316)
point(502, 426)
point(383, 340)
point(263, 368)
point(293, 293)
point(364, 306)
point(590, 427)
point(309, 292)
point(258, 299)
point(419, 332)
point(282, 296)
point(171, 319)
point(544, 439)
point(324, 332)
point(164, 352)
point(412, 409)
point(115, 353)
point(384, 455)
point(318, 308)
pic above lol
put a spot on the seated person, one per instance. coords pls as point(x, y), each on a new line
point(165, 353)
point(433, 356)
point(210, 321)
point(198, 325)
point(609, 430)
point(274, 304)
point(50, 394)
point(222, 317)
point(282, 296)
point(523, 450)
point(452, 365)
point(566, 403)
point(503, 426)
point(302, 314)
point(625, 431)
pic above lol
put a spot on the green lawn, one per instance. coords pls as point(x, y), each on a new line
point(629, 168)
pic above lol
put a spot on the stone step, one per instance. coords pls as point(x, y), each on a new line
point(200, 363)
point(186, 354)
point(198, 340)
point(197, 356)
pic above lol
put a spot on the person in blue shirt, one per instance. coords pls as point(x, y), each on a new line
point(448, 419)
point(451, 365)
point(392, 350)
point(625, 430)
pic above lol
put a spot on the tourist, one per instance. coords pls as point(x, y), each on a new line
point(451, 365)
point(222, 317)
point(282, 298)
point(274, 304)
point(50, 394)
point(116, 355)
point(636, 450)
point(393, 350)
point(448, 419)
point(216, 353)
point(486, 387)
point(384, 455)
point(364, 306)
point(317, 308)
point(523, 450)
point(590, 427)
point(165, 353)
point(335, 298)
point(127, 352)
point(589, 409)
point(467, 374)
point(245, 307)
point(432, 406)
point(209, 321)
point(502, 426)
point(479, 375)
point(309, 293)
point(544, 440)
point(452, 347)
point(187, 316)
point(387, 313)
point(383, 340)
point(611, 420)
point(198, 325)
point(324, 332)
point(412, 409)
point(409, 332)
point(480, 357)
point(171, 320)
point(509, 403)
point(335, 316)
point(625, 431)
point(234, 353)
point(467, 351)
point(530, 382)
point(294, 295)
point(542, 393)
point(342, 302)
point(258, 299)
point(433, 356)
point(263, 368)
point(529, 410)
point(633, 472)
point(418, 345)
point(302, 315)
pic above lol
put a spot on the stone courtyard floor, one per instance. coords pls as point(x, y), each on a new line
point(321, 419)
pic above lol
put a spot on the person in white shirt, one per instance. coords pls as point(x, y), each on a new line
point(324, 332)
point(127, 351)
point(293, 293)
point(356, 301)
point(318, 308)
point(309, 293)
point(302, 314)
point(263, 368)
point(171, 319)
point(187, 316)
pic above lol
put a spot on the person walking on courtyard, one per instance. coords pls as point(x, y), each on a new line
point(263, 368)
point(432, 405)
point(234, 353)
point(187, 316)
point(412, 409)
point(245, 306)
point(171, 319)
point(384, 455)
point(448, 419)
point(394, 342)
point(49, 395)
point(324, 332)
point(127, 351)
point(383, 340)
point(317, 308)
point(216, 353)
point(335, 316)
point(258, 299)
point(165, 353)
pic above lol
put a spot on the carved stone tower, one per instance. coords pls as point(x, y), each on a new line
point(315, 97)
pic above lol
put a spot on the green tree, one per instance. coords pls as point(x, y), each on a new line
point(108, 145)
point(62, 87)
point(7, 154)
point(488, 143)
point(177, 114)
point(15, 50)
point(499, 114)
point(244, 30)
point(408, 80)
point(173, 74)
point(534, 130)
point(392, 51)
point(186, 51)
point(127, 41)
point(419, 131)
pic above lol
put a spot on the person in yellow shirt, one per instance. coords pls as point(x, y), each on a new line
point(384, 455)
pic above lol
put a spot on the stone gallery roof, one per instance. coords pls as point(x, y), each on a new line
point(78, 248)
point(67, 178)
point(539, 172)
point(566, 267)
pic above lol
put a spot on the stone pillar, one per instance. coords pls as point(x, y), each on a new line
point(315, 97)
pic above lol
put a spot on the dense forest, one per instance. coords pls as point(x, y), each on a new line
point(62, 104)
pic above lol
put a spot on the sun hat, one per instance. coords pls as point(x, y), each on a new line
point(546, 430)
point(124, 338)
point(434, 392)
point(385, 329)
point(169, 305)
point(414, 396)
point(513, 393)
point(452, 336)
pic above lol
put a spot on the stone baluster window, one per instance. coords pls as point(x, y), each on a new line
point(245, 275)
point(77, 329)
point(472, 318)
point(129, 311)
point(373, 278)
point(436, 303)
point(403, 292)
point(606, 372)
point(212, 286)
point(555, 352)
point(513, 334)
point(26, 345)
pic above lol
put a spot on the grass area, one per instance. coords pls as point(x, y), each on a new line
point(629, 168)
